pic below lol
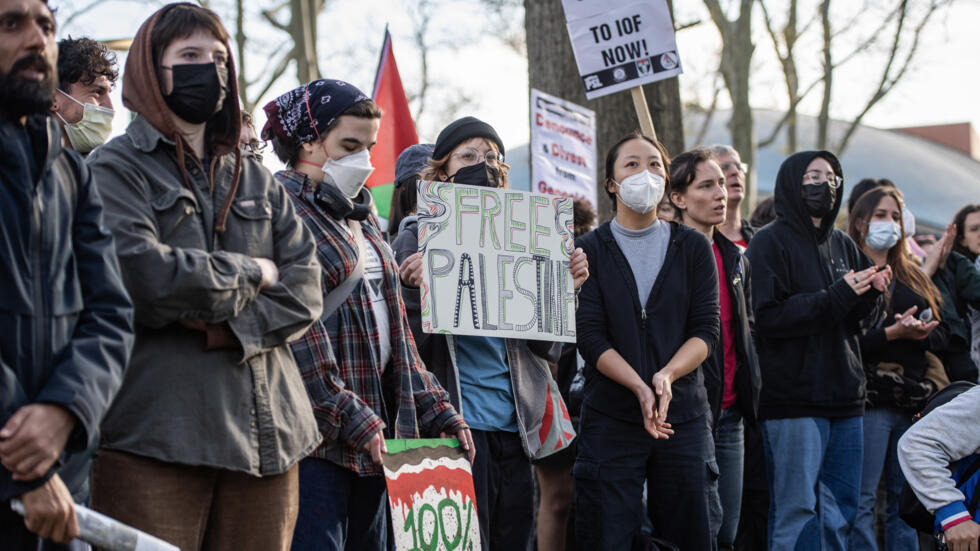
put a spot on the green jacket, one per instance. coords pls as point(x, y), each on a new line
point(185, 398)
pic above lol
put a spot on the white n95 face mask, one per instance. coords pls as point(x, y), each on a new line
point(350, 172)
point(94, 128)
point(642, 191)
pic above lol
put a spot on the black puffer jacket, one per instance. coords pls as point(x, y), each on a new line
point(807, 318)
point(65, 319)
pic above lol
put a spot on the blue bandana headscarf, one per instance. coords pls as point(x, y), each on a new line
point(297, 115)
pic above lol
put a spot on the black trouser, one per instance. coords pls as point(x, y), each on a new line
point(753, 525)
point(616, 457)
point(504, 491)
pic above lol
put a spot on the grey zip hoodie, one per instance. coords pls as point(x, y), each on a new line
point(949, 433)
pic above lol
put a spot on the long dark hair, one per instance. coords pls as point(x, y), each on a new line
point(613, 154)
point(960, 221)
point(904, 269)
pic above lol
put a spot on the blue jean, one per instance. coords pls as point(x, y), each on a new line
point(729, 452)
point(883, 427)
point(339, 510)
point(814, 469)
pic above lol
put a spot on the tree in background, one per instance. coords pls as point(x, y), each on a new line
point(552, 69)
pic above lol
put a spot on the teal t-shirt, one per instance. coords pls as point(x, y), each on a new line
point(484, 378)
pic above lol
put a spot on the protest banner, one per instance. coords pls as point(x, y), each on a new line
point(430, 492)
point(495, 262)
point(563, 150)
point(621, 44)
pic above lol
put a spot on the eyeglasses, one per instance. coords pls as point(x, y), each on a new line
point(255, 147)
point(470, 156)
point(812, 177)
point(742, 167)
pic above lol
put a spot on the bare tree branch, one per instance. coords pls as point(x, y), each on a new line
point(889, 81)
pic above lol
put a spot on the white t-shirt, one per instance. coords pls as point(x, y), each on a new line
point(374, 278)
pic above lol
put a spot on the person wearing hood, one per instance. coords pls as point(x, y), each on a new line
point(359, 361)
point(811, 288)
point(699, 190)
point(86, 75)
point(404, 199)
point(201, 444)
point(647, 318)
point(497, 383)
point(66, 323)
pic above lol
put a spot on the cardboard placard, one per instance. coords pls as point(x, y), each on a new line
point(563, 148)
point(431, 496)
point(621, 44)
point(495, 262)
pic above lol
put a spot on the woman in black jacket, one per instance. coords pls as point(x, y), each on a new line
point(731, 372)
point(647, 318)
point(894, 351)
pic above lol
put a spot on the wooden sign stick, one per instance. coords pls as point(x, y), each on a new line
point(643, 112)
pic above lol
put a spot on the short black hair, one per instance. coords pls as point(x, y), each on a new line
point(83, 60)
point(613, 154)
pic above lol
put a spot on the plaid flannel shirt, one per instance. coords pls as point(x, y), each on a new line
point(339, 356)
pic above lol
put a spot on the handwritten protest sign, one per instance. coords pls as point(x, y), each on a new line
point(430, 492)
point(495, 262)
point(621, 44)
point(563, 151)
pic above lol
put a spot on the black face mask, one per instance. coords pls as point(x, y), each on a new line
point(480, 174)
point(819, 199)
point(199, 91)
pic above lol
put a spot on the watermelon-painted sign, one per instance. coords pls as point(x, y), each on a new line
point(495, 262)
point(430, 492)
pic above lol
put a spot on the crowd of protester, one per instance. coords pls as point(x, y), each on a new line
point(216, 355)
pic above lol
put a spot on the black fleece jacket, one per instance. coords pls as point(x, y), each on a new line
point(682, 304)
point(807, 318)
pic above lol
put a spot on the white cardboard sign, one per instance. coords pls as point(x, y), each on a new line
point(495, 262)
point(621, 44)
point(563, 150)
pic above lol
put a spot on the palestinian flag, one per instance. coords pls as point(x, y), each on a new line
point(430, 492)
point(397, 130)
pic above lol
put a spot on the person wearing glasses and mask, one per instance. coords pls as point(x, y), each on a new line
point(86, 74)
point(811, 288)
point(498, 383)
point(735, 228)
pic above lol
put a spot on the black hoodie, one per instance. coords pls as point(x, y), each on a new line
point(806, 316)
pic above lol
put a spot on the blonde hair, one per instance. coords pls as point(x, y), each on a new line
point(436, 171)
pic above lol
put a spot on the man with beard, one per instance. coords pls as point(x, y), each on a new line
point(65, 319)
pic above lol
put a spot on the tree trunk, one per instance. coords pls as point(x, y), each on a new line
point(302, 27)
point(552, 69)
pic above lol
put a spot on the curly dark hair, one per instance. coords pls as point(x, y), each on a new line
point(83, 60)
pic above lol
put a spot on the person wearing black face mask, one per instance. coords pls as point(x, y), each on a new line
point(811, 288)
point(222, 274)
point(479, 372)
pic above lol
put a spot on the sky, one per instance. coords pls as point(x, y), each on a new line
point(468, 60)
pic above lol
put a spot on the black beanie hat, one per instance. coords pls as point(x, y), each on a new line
point(461, 130)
